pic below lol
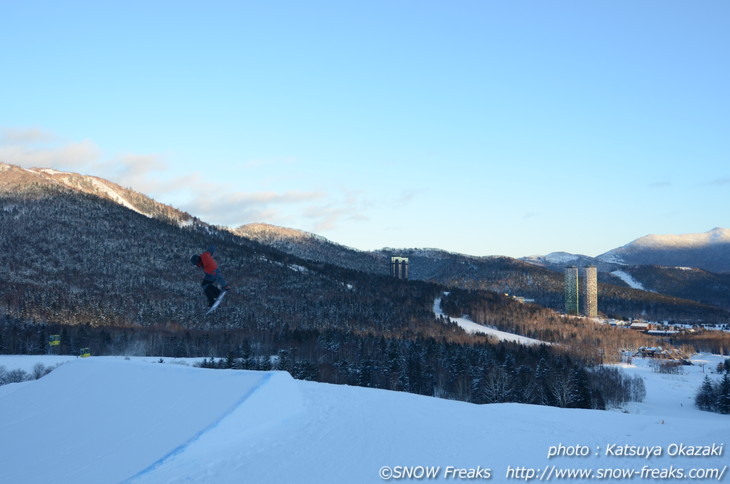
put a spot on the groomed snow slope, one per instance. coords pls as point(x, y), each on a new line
point(629, 279)
point(109, 421)
point(471, 327)
point(95, 421)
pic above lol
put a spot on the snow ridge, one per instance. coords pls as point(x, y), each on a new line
point(182, 447)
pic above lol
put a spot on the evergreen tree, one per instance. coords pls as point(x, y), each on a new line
point(542, 392)
point(305, 370)
point(230, 360)
point(706, 397)
point(498, 386)
point(723, 395)
point(393, 368)
point(581, 396)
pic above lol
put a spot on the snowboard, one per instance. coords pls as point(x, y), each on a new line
point(217, 302)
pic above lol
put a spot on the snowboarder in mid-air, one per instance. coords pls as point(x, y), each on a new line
point(214, 286)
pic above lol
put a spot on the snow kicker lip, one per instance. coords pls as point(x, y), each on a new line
point(86, 413)
point(274, 399)
point(181, 448)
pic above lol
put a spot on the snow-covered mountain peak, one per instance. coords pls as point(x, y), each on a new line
point(707, 250)
point(561, 257)
point(719, 234)
point(268, 231)
point(716, 235)
point(16, 179)
point(90, 184)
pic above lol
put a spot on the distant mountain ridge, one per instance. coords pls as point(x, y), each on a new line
point(709, 251)
point(312, 247)
point(537, 277)
point(83, 251)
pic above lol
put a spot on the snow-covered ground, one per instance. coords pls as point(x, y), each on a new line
point(110, 420)
point(471, 327)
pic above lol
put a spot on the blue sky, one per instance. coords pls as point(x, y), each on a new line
point(482, 127)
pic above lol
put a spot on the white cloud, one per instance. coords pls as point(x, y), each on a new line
point(214, 203)
point(217, 203)
point(29, 153)
point(24, 135)
point(330, 214)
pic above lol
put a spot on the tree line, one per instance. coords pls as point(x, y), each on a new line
point(478, 371)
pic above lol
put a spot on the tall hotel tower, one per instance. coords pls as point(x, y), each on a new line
point(571, 291)
point(581, 296)
point(399, 267)
point(590, 292)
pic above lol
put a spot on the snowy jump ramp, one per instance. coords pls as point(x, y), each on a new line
point(106, 420)
point(96, 421)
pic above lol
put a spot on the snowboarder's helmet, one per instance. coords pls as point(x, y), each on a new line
point(195, 260)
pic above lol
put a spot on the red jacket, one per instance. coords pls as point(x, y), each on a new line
point(208, 263)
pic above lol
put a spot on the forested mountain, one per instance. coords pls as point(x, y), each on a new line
point(709, 251)
point(683, 282)
point(97, 261)
point(674, 300)
point(16, 180)
point(313, 247)
point(107, 268)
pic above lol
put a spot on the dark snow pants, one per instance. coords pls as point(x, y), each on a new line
point(211, 292)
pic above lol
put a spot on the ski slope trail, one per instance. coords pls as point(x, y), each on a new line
point(100, 421)
point(473, 328)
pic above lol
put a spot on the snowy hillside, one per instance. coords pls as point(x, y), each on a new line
point(718, 235)
point(471, 327)
point(628, 279)
point(708, 250)
point(107, 420)
point(16, 179)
